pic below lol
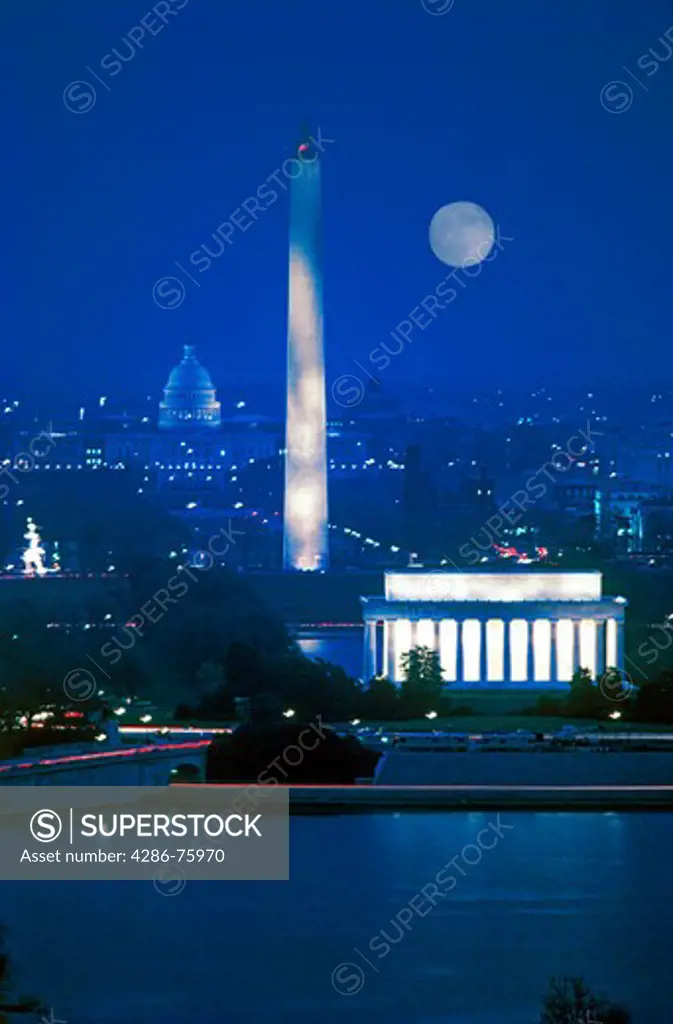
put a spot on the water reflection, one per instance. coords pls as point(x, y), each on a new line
point(560, 893)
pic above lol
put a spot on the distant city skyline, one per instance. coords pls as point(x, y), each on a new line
point(625, 404)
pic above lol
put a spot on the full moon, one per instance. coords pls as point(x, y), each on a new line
point(461, 234)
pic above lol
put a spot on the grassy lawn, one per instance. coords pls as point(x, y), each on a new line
point(509, 723)
point(478, 723)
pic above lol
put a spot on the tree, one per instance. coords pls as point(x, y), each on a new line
point(381, 700)
point(615, 684)
point(585, 700)
point(265, 709)
point(570, 1001)
point(310, 687)
point(654, 700)
point(209, 676)
point(244, 669)
point(32, 670)
point(318, 756)
point(8, 1002)
point(315, 686)
point(581, 678)
point(422, 687)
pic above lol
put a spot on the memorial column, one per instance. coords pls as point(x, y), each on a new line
point(530, 653)
point(370, 668)
point(389, 666)
point(483, 654)
point(576, 645)
point(553, 651)
point(506, 654)
point(459, 651)
point(600, 648)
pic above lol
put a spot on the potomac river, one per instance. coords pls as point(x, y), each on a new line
point(548, 893)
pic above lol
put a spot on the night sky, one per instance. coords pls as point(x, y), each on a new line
point(498, 103)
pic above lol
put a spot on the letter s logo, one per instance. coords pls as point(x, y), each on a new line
point(45, 826)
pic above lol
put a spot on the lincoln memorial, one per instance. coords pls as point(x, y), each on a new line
point(495, 629)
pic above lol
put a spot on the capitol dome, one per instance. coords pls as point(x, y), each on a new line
point(190, 399)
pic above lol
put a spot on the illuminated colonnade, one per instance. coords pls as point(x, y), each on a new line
point(495, 629)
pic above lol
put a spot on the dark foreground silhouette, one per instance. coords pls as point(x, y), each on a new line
point(289, 753)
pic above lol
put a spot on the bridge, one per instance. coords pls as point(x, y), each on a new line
point(155, 764)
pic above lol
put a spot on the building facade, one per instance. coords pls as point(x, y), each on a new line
point(519, 629)
point(189, 397)
point(190, 445)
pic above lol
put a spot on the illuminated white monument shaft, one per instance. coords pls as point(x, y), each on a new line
point(305, 540)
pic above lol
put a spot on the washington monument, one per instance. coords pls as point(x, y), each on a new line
point(305, 526)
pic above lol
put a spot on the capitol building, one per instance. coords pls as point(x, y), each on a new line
point(184, 444)
point(189, 397)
